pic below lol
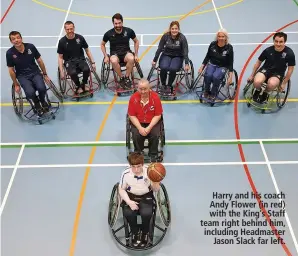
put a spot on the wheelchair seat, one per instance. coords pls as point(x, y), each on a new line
point(130, 145)
point(111, 81)
point(225, 92)
point(68, 88)
point(183, 83)
point(161, 216)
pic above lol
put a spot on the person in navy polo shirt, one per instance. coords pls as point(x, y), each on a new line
point(21, 62)
point(145, 111)
point(120, 51)
point(71, 51)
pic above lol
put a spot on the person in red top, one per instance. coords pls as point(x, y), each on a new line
point(145, 111)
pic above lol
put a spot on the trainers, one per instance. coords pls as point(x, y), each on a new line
point(144, 240)
point(45, 106)
point(128, 83)
point(122, 82)
point(135, 240)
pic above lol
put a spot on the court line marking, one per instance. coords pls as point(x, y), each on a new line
point(7, 11)
point(91, 157)
point(186, 34)
point(70, 103)
point(136, 18)
point(165, 164)
point(268, 163)
point(237, 132)
point(66, 16)
point(168, 142)
point(217, 15)
point(296, 2)
point(155, 45)
point(11, 180)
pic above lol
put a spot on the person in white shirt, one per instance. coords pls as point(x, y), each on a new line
point(136, 189)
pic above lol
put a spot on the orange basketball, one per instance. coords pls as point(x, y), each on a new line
point(156, 172)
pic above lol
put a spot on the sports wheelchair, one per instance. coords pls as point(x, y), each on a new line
point(71, 90)
point(130, 145)
point(182, 85)
point(112, 83)
point(161, 205)
point(264, 101)
point(20, 102)
point(225, 92)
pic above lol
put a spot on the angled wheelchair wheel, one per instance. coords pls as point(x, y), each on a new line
point(55, 91)
point(189, 76)
point(62, 83)
point(105, 71)
point(17, 101)
point(282, 95)
point(163, 203)
point(114, 206)
point(95, 81)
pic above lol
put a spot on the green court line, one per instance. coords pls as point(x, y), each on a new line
point(169, 143)
point(296, 2)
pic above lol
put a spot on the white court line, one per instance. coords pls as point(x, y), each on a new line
point(165, 164)
point(278, 192)
point(186, 34)
point(217, 15)
point(123, 141)
point(66, 16)
point(155, 45)
point(11, 180)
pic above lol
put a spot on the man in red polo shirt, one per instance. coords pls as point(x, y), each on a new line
point(144, 111)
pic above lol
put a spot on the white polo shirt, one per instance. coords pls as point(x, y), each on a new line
point(137, 185)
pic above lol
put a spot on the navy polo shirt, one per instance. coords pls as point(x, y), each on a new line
point(24, 63)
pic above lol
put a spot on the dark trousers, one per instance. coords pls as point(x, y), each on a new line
point(214, 75)
point(171, 65)
point(153, 139)
point(32, 83)
point(74, 67)
point(145, 210)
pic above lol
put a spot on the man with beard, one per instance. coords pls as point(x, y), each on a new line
point(278, 58)
point(21, 62)
point(120, 52)
point(71, 54)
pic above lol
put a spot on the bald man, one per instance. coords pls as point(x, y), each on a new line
point(145, 111)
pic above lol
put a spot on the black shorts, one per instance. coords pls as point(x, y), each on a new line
point(268, 74)
point(121, 56)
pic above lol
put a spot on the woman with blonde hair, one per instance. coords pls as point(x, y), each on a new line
point(219, 60)
point(174, 48)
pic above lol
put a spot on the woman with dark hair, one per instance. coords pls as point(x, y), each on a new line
point(174, 48)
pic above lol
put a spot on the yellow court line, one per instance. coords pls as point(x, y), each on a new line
point(92, 155)
point(135, 18)
point(185, 102)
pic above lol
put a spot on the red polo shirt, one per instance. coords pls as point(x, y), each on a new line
point(145, 113)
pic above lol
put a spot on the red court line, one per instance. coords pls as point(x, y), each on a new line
point(238, 136)
point(7, 11)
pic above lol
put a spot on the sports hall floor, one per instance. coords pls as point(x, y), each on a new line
point(54, 197)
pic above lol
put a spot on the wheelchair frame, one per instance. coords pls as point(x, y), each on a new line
point(272, 96)
point(178, 84)
point(106, 68)
point(115, 200)
point(94, 86)
point(18, 105)
point(228, 97)
point(130, 145)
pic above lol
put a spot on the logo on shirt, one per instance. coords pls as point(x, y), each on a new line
point(14, 56)
point(224, 53)
point(125, 33)
point(284, 54)
point(78, 40)
point(177, 43)
point(29, 51)
point(151, 108)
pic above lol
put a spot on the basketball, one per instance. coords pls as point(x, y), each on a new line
point(156, 172)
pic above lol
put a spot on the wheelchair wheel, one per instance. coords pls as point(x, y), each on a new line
point(96, 85)
point(114, 206)
point(282, 96)
point(62, 83)
point(17, 101)
point(55, 91)
point(105, 71)
point(163, 204)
